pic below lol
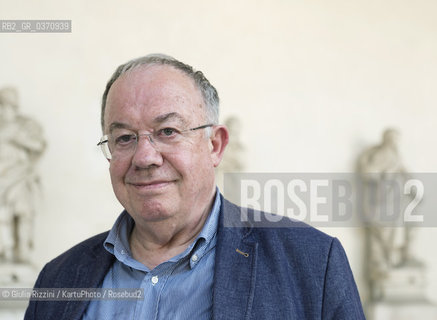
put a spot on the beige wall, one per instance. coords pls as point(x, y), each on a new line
point(314, 82)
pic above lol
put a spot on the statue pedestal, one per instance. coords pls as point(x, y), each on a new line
point(402, 295)
point(402, 311)
point(15, 275)
point(10, 314)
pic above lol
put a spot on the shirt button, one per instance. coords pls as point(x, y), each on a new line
point(123, 252)
point(155, 280)
point(194, 258)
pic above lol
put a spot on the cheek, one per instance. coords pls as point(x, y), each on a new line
point(189, 166)
point(200, 166)
point(117, 172)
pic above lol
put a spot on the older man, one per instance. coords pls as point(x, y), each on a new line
point(162, 140)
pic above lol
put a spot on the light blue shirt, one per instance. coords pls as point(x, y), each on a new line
point(180, 288)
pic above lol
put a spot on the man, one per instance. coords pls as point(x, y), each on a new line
point(163, 141)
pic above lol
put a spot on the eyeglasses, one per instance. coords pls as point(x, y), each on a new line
point(122, 143)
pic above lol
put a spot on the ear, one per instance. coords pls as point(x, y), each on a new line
point(218, 142)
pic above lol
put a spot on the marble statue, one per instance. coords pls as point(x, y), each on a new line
point(393, 272)
point(21, 146)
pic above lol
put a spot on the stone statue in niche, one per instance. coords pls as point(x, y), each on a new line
point(393, 273)
point(21, 146)
point(232, 160)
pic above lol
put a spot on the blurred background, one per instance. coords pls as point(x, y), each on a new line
point(313, 83)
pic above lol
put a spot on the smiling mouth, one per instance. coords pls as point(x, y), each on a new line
point(152, 185)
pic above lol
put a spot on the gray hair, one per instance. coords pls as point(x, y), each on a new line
point(209, 93)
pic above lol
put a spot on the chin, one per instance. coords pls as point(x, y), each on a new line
point(152, 210)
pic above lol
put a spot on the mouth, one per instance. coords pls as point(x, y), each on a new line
point(150, 185)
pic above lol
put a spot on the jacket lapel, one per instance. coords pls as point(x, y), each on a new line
point(235, 266)
point(90, 275)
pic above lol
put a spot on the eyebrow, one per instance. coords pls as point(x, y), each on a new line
point(118, 125)
point(158, 120)
point(170, 116)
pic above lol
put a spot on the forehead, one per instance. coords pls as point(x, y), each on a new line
point(147, 92)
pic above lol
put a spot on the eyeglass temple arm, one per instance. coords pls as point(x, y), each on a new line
point(102, 142)
point(202, 127)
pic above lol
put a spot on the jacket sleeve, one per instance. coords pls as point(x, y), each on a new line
point(341, 299)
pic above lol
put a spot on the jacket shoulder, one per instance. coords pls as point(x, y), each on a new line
point(254, 223)
point(291, 243)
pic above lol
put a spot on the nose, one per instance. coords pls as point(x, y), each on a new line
point(145, 153)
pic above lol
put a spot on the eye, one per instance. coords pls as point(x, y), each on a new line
point(125, 139)
point(167, 132)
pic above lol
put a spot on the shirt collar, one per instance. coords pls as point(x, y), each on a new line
point(117, 241)
point(206, 239)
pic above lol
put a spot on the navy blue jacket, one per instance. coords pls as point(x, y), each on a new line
point(294, 272)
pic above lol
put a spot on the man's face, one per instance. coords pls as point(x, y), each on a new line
point(153, 185)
